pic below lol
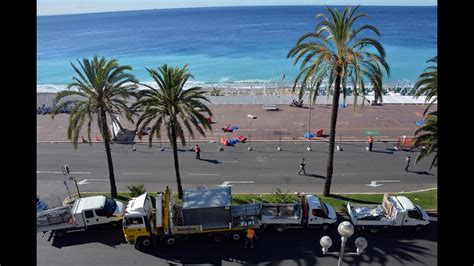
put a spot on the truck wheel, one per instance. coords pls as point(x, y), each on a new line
point(373, 230)
point(217, 238)
point(418, 228)
point(170, 240)
point(59, 233)
point(236, 236)
point(280, 228)
point(145, 242)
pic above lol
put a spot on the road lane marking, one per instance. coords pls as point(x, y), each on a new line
point(226, 183)
point(204, 174)
point(229, 161)
point(137, 173)
point(374, 183)
point(86, 181)
point(54, 172)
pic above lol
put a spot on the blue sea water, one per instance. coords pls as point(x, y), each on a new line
point(221, 45)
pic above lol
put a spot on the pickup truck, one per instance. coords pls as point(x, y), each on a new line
point(395, 211)
point(308, 212)
point(84, 213)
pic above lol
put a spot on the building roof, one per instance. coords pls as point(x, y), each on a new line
point(89, 203)
point(207, 198)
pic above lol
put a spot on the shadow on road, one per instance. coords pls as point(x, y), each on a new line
point(386, 152)
point(108, 236)
point(420, 172)
point(301, 247)
point(210, 161)
point(315, 175)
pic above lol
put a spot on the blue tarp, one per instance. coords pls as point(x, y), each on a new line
point(309, 136)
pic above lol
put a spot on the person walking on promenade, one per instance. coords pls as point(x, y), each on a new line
point(407, 159)
point(197, 150)
point(250, 237)
point(371, 142)
point(302, 169)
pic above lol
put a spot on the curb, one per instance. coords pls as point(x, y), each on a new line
point(215, 142)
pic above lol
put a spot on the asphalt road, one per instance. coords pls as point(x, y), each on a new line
point(258, 171)
point(292, 247)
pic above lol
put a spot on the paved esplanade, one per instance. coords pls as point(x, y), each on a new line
point(262, 170)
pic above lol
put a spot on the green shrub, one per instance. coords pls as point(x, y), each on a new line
point(136, 190)
point(281, 197)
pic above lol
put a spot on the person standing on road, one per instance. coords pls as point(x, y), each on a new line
point(371, 142)
point(302, 167)
point(407, 159)
point(250, 237)
point(197, 150)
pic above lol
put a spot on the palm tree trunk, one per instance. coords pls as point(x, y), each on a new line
point(332, 134)
point(106, 137)
point(176, 163)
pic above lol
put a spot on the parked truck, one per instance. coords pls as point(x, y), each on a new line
point(395, 211)
point(84, 213)
point(205, 212)
point(308, 212)
point(209, 212)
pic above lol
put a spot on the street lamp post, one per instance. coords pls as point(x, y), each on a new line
point(346, 230)
point(309, 126)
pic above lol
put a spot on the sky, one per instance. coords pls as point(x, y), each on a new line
point(58, 7)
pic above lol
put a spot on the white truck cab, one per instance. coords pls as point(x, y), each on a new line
point(319, 212)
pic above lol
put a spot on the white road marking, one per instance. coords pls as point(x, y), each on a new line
point(226, 183)
point(86, 181)
point(374, 183)
point(55, 172)
point(203, 174)
point(137, 173)
point(229, 161)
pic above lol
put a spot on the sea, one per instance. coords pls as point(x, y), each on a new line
point(222, 46)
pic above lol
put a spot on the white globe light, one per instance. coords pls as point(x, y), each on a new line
point(326, 242)
point(361, 244)
point(345, 229)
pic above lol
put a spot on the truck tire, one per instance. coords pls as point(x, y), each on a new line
point(170, 240)
point(59, 233)
point(418, 228)
point(217, 238)
point(373, 229)
point(145, 241)
point(280, 228)
point(236, 236)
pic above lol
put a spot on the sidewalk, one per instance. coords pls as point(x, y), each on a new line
point(385, 123)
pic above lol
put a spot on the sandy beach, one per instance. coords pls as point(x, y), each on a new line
point(386, 122)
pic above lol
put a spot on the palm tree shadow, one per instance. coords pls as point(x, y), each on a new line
point(386, 152)
point(315, 175)
point(339, 197)
point(420, 172)
point(210, 161)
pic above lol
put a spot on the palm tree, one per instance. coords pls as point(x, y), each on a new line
point(427, 83)
point(336, 54)
point(426, 138)
point(103, 88)
point(174, 108)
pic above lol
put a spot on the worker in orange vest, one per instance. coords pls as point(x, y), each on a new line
point(371, 142)
point(250, 237)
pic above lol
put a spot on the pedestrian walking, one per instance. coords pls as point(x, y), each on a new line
point(250, 237)
point(371, 142)
point(302, 167)
point(197, 150)
point(407, 159)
